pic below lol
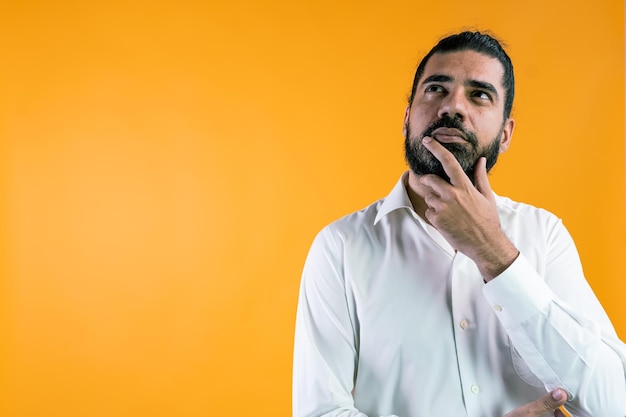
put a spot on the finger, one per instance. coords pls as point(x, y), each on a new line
point(546, 404)
point(434, 184)
point(549, 402)
point(431, 198)
point(481, 179)
point(450, 164)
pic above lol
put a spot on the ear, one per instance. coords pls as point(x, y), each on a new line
point(507, 135)
point(407, 113)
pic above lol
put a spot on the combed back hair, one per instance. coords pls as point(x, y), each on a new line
point(478, 42)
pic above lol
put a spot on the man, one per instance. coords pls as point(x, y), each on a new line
point(444, 298)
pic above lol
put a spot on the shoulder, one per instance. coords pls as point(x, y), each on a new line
point(530, 227)
point(354, 224)
point(335, 240)
point(514, 210)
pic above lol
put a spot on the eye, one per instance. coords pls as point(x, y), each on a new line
point(482, 95)
point(434, 88)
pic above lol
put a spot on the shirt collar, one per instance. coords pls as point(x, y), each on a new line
point(397, 199)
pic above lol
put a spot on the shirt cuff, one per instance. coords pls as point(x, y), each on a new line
point(518, 293)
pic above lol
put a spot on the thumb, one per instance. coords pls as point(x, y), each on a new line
point(480, 178)
point(550, 402)
point(542, 406)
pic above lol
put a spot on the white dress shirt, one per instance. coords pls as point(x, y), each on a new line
point(392, 321)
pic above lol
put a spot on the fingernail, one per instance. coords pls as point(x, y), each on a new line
point(557, 394)
point(427, 139)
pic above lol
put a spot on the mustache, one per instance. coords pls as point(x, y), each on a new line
point(452, 124)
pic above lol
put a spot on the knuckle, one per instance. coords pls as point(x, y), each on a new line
point(546, 405)
point(447, 158)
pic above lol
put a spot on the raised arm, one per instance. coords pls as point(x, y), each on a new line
point(551, 316)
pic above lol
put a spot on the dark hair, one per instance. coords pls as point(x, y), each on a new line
point(481, 43)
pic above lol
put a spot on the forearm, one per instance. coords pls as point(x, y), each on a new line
point(562, 348)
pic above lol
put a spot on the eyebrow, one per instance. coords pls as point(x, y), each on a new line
point(437, 78)
point(485, 86)
point(440, 78)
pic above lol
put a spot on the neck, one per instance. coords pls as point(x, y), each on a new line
point(416, 192)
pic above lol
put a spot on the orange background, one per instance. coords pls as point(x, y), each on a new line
point(166, 164)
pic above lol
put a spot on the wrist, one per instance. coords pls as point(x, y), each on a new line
point(497, 261)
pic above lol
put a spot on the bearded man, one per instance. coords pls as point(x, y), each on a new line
point(444, 298)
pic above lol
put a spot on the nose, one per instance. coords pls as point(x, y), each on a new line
point(454, 105)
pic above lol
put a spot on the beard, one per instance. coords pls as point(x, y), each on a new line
point(422, 162)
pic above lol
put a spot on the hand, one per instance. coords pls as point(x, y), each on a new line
point(548, 405)
point(466, 215)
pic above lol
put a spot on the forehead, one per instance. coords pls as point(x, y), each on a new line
point(464, 66)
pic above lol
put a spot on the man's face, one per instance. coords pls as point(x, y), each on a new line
point(459, 101)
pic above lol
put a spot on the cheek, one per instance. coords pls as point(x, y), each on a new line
point(421, 117)
point(488, 126)
point(423, 106)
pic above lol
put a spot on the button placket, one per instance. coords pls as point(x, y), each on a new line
point(465, 286)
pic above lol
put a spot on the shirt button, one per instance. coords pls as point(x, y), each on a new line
point(475, 389)
point(464, 324)
point(497, 308)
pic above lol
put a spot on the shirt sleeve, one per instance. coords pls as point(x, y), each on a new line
point(325, 346)
point(560, 330)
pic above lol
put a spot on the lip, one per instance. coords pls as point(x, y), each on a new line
point(448, 135)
